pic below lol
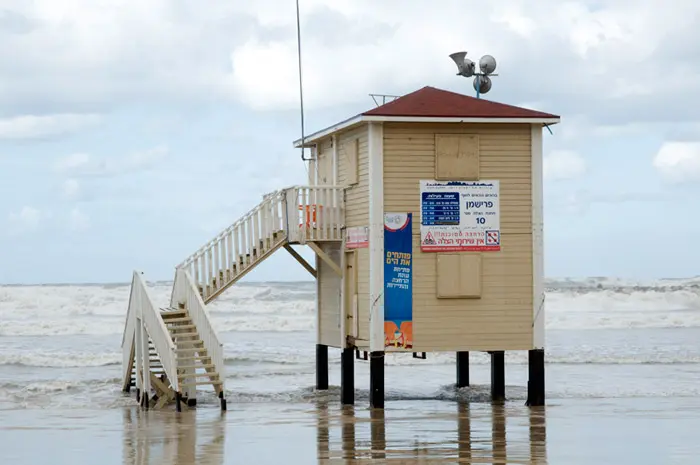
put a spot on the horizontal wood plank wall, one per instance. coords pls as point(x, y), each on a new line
point(502, 318)
point(324, 163)
point(329, 297)
point(356, 214)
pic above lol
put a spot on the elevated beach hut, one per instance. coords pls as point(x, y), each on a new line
point(443, 243)
point(425, 217)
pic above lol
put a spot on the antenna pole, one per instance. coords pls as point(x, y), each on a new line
point(301, 87)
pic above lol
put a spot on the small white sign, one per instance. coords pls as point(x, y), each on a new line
point(460, 216)
point(357, 237)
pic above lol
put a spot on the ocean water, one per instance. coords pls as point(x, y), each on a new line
point(627, 350)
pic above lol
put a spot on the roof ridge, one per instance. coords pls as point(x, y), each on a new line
point(430, 101)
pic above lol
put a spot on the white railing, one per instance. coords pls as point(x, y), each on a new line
point(302, 213)
point(185, 292)
point(315, 213)
point(222, 258)
point(141, 305)
point(128, 337)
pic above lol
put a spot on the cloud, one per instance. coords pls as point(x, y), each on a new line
point(678, 162)
point(28, 219)
point(580, 201)
point(71, 189)
point(77, 220)
point(39, 127)
point(86, 165)
point(586, 55)
point(563, 164)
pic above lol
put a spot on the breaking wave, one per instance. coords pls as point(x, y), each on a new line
point(592, 303)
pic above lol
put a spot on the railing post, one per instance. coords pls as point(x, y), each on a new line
point(210, 273)
point(201, 283)
point(250, 237)
point(324, 211)
point(291, 223)
point(139, 358)
point(146, 365)
point(237, 248)
point(229, 263)
point(244, 240)
point(217, 267)
point(306, 213)
point(256, 231)
point(222, 259)
point(340, 214)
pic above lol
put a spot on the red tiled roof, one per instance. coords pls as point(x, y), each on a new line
point(432, 102)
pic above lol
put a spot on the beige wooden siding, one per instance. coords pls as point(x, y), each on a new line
point(324, 163)
point(357, 214)
point(501, 319)
point(329, 297)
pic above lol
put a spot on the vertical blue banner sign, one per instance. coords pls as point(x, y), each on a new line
point(398, 286)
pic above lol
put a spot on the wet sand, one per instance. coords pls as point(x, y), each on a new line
point(568, 431)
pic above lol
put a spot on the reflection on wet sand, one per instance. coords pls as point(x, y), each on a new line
point(164, 438)
point(479, 438)
point(458, 433)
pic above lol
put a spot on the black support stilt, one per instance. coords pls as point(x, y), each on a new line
point(178, 402)
point(321, 367)
point(498, 376)
point(223, 401)
point(535, 383)
point(191, 402)
point(462, 369)
point(376, 379)
point(138, 395)
point(347, 377)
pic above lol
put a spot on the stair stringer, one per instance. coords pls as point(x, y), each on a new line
point(145, 329)
point(186, 296)
point(279, 242)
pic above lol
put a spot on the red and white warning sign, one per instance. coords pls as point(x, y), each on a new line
point(460, 216)
point(428, 239)
point(493, 237)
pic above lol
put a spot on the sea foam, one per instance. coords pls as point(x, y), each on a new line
point(592, 303)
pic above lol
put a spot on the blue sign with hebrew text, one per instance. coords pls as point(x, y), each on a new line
point(398, 286)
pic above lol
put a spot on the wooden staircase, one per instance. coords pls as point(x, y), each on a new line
point(191, 354)
point(183, 349)
point(296, 215)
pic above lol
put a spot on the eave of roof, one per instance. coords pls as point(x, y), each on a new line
point(313, 138)
point(432, 105)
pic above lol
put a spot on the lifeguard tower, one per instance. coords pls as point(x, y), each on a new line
point(425, 216)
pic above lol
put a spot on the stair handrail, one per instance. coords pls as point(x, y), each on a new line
point(129, 331)
point(278, 195)
point(185, 292)
point(155, 326)
point(267, 199)
point(130, 314)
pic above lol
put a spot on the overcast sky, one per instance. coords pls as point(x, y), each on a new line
point(131, 131)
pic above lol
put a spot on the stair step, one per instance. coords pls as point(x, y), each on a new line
point(188, 344)
point(169, 314)
point(192, 349)
point(191, 367)
point(178, 320)
point(197, 375)
point(201, 383)
point(200, 357)
point(179, 335)
point(179, 327)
